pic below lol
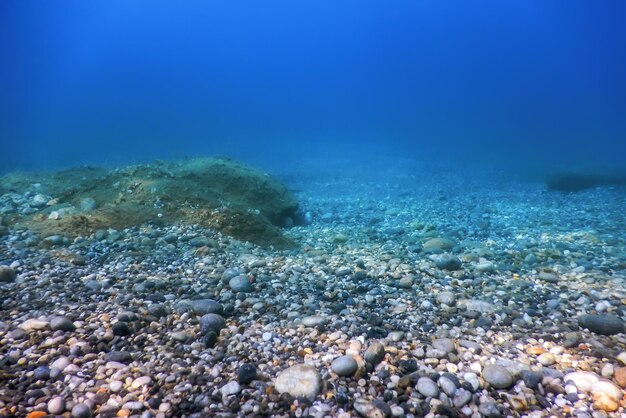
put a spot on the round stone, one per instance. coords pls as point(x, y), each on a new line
point(444, 344)
point(447, 298)
point(60, 323)
point(427, 387)
point(246, 373)
point(546, 359)
point(240, 284)
point(56, 405)
point(299, 380)
point(497, 376)
point(206, 306)
point(212, 323)
point(7, 274)
point(230, 388)
point(375, 353)
point(80, 410)
point(447, 261)
point(344, 366)
point(121, 329)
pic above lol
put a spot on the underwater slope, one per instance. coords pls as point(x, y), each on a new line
point(215, 192)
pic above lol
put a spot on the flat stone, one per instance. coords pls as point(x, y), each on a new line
point(368, 409)
point(344, 366)
point(602, 324)
point(141, 381)
point(60, 323)
point(299, 380)
point(582, 380)
point(230, 388)
point(427, 387)
point(313, 320)
point(205, 306)
point(497, 376)
point(56, 405)
point(34, 325)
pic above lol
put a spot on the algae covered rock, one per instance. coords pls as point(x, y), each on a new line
point(213, 192)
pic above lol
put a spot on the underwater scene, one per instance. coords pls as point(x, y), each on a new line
point(312, 209)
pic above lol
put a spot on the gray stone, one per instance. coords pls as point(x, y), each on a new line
point(205, 306)
point(212, 323)
point(447, 261)
point(497, 376)
point(87, 204)
point(427, 387)
point(462, 398)
point(602, 324)
point(34, 325)
point(7, 274)
point(368, 409)
point(447, 298)
point(313, 320)
point(60, 323)
point(444, 344)
point(299, 380)
point(438, 245)
point(230, 388)
point(375, 353)
point(80, 410)
point(344, 366)
point(489, 410)
point(56, 405)
point(240, 284)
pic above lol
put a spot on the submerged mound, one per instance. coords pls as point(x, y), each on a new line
point(576, 182)
point(215, 192)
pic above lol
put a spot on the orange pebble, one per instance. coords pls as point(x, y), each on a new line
point(37, 414)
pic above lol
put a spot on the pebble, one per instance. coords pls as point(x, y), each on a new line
point(299, 380)
point(606, 324)
point(368, 409)
point(211, 323)
point(246, 373)
point(230, 388)
point(80, 410)
point(546, 359)
point(445, 345)
point(205, 306)
point(240, 284)
point(374, 353)
point(313, 321)
point(7, 274)
point(56, 405)
point(447, 298)
point(60, 323)
point(344, 366)
point(447, 261)
point(427, 387)
point(497, 376)
point(34, 325)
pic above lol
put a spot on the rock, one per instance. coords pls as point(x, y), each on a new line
point(80, 410)
point(462, 398)
point(60, 323)
point(34, 325)
point(489, 410)
point(313, 321)
point(246, 373)
point(546, 359)
point(119, 356)
point(299, 380)
point(141, 382)
point(485, 266)
point(240, 284)
point(56, 405)
point(444, 344)
point(120, 328)
point(339, 239)
point(620, 376)
point(438, 245)
point(447, 261)
point(606, 387)
point(406, 282)
point(211, 323)
point(427, 387)
point(39, 201)
point(583, 380)
point(447, 298)
point(604, 402)
point(602, 324)
point(7, 274)
point(548, 277)
point(497, 376)
point(206, 306)
point(230, 388)
point(369, 409)
point(344, 366)
point(375, 353)
point(87, 204)
point(477, 305)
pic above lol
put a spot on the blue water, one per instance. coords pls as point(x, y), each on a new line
point(529, 85)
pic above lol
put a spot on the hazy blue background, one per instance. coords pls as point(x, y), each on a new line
point(528, 84)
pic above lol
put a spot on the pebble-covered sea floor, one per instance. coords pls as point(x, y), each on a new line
point(416, 291)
